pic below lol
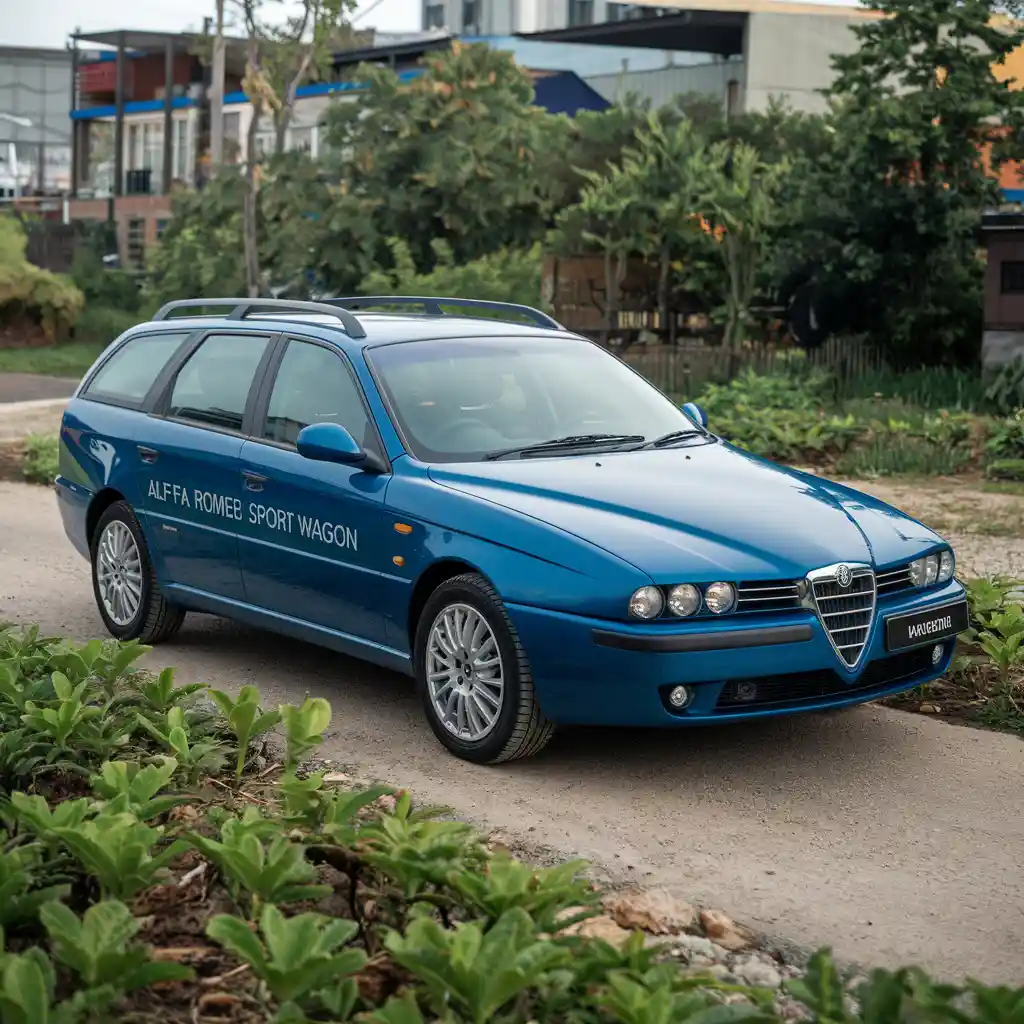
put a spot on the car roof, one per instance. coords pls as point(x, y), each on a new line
point(379, 328)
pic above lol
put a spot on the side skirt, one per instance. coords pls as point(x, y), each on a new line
point(299, 629)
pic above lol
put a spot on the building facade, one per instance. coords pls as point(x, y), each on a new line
point(35, 136)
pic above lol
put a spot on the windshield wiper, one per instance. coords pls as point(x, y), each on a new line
point(572, 441)
point(672, 436)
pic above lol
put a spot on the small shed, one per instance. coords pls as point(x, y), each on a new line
point(1003, 340)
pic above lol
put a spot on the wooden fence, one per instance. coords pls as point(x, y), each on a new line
point(685, 368)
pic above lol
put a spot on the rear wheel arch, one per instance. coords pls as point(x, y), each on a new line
point(101, 501)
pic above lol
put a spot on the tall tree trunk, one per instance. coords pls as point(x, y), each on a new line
point(249, 221)
point(663, 276)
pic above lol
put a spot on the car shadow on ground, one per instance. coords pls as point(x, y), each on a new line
point(842, 748)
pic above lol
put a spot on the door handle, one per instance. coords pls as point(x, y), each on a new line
point(148, 455)
point(253, 481)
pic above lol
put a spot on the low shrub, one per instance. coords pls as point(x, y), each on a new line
point(28, 292)
point(42, 454)
point(141, 881)
point(98, 326)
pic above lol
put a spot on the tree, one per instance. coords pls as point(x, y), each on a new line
point(450, 155)
point(886, 232)
point(279, 57)
point(742, 197)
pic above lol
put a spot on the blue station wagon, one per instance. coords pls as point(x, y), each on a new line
point(493, 505)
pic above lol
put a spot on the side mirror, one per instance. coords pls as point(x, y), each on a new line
point(329, 442)
point(697, 414)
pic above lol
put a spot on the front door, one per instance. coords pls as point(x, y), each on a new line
point(194, 500)
point(315, 538)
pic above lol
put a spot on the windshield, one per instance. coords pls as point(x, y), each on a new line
point(463, 399)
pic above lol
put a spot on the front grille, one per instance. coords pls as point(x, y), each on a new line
point(797, 688)
point(845, 612)
point(767, 596)
point(892, 581)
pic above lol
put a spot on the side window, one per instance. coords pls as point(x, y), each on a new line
point(314, 385)
point(131, 371)
point(213, 386)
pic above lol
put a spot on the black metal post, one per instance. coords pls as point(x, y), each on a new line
point(74, 123)
point(119, 119)
point(168, 107)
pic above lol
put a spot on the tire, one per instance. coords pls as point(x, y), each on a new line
point(519, 728)
point(155, 619)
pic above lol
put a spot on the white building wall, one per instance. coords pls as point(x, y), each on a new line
point(791, 55)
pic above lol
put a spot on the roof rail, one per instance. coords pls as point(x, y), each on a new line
point(242, 308)
point(432, 305)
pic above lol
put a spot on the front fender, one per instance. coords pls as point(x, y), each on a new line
point(529, 562)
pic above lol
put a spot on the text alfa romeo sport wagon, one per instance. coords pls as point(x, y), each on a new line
point(497, 507)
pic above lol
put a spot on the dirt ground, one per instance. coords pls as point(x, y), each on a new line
point(983, 522)
point(891, 837)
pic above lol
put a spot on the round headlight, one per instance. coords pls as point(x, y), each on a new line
point(947, 565)
point(646, 603)
point(684, 599)
point(931, 570)
point(720, 597)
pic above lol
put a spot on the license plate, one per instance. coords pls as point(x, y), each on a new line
point(925, 627)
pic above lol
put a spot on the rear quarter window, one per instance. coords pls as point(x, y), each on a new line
point(131, 371)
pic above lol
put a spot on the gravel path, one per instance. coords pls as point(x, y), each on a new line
point(886, 835)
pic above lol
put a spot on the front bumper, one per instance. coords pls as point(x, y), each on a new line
point(594, 672)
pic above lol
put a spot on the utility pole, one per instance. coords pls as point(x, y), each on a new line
point(217, 95)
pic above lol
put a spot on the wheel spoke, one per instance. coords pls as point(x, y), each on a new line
point(464, 672)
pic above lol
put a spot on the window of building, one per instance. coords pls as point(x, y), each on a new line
point(313, 385)
point(232, 137)
point(581, 12)
point(136, 242)
point(434, 16)
point(213, 386)
point(181, 165)
point(132, 370)
point(616, 12)
point(161, 227)
point(1011, 277)
point(301, 139)
point(469, 17)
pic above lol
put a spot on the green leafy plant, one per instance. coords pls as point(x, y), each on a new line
point(246, 720)
point(98, 947)
point(662, 997)
point(304, 728)
point(476, 970)
point(21, 894)
point(415, 850)
point(266, 870)
point(28, 986)
point(198, 756)
point(122, 853)
point(126, 786)
point(295, 957)
point(543, 893)
point(160, 694)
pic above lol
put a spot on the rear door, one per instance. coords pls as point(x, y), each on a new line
point(190, 446)
point(315, 538)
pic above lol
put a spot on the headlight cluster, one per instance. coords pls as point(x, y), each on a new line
point(682, 600)
point(937, 568)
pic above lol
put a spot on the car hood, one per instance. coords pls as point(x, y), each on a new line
point(698, 512)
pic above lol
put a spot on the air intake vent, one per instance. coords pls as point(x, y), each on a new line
point(844, 598)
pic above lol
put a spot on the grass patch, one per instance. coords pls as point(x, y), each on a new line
point(41, 462)
point(67, 360)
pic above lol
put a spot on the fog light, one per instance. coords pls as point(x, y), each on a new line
point(937, 652)
point(679, 697)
